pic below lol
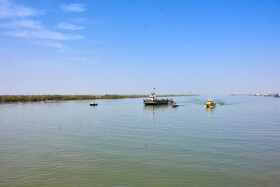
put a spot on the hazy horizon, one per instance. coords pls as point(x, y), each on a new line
point(126, 47)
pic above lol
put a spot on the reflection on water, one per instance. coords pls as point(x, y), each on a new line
point(152, 109)
point(209, 110)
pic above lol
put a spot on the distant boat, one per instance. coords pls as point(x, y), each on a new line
point(93, 104)
point(175, 105)
point(210, 103)
point(153, 100)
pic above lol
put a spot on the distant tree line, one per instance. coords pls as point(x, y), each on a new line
point(23, 98)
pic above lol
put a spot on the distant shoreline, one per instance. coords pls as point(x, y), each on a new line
point(31, 98)
point(242, 94)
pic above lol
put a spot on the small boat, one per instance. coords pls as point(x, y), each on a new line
point(175, 105)
point(210, 103)
point(93, 104)
point(153, 100)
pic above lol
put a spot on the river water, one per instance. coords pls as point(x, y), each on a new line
point(124, 143)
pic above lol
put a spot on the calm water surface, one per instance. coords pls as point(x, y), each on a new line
point(123, 143)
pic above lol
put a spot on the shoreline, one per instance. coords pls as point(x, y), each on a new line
point(34, 98)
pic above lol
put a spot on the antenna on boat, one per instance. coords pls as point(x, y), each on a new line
point(153, 89)
point(153, 94)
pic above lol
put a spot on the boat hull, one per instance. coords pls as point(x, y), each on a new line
point(210, 104)
point(156, 102)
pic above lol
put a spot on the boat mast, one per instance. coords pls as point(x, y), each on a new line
point(153, 95)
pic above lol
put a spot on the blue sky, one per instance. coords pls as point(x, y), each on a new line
point(126, 47)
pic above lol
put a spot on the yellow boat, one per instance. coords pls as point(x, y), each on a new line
point(210, 103)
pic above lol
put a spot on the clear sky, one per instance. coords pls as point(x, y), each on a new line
point(128, 46)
